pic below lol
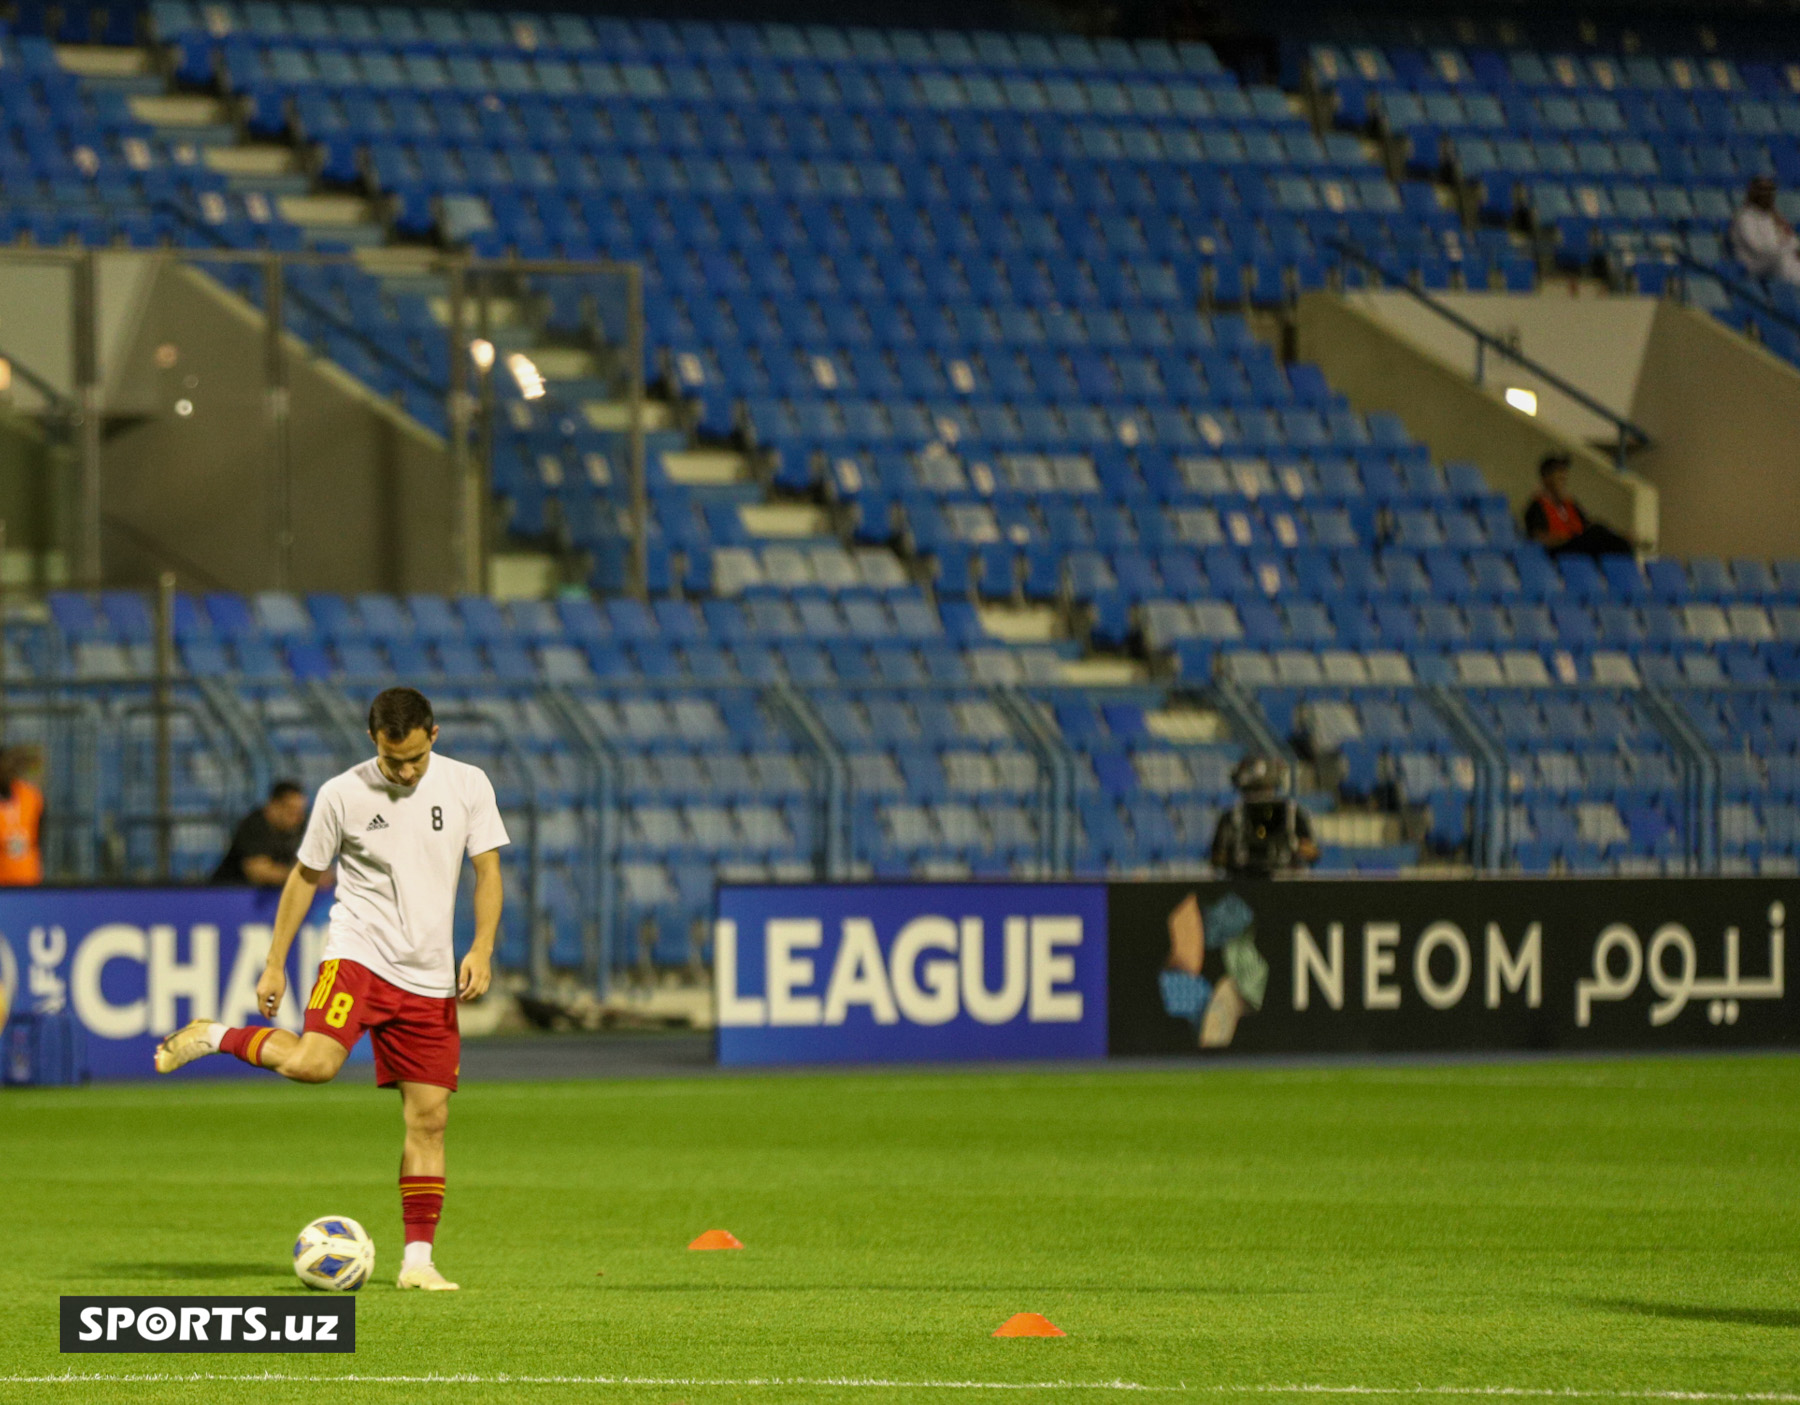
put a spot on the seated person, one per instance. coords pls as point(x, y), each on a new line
point(1761, 240)
point(1555, 521)
point(266, 840)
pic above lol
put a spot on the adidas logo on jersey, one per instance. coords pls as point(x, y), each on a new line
point(376, 823)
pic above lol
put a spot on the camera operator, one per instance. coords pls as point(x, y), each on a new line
point(1266, 832)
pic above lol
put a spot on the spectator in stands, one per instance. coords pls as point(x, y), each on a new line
point(1555, 521)
point(1761, 240)
point(21, 821)
point(266, 840)
point(1266, 832)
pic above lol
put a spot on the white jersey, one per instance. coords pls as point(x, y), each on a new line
point(399, 852)
point(1764, 245)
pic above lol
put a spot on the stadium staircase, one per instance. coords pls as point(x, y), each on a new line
point(272, 172)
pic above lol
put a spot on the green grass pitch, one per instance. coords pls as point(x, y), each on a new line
point(1615, 1228)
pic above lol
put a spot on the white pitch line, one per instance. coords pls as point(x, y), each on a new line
point(657, 1381)
point(872, 1383)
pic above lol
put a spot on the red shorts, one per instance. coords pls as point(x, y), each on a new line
point(414, 1036)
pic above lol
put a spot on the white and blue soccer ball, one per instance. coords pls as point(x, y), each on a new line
point(334, 1253)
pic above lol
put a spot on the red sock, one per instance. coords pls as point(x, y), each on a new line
point(421, 1202)
point(246, 1044)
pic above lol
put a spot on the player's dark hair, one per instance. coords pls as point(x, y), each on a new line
point(284, 788)
point(1550, 463)
point(399, 712)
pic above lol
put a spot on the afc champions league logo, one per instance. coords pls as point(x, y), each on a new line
point(45, 992)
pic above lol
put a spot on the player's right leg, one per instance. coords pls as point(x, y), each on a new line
point(334, 1022)
point(305, 1058)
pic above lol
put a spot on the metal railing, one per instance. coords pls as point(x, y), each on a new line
point(73, 396)
point(57, 406)
point(111, 779)
point(1629, 436)
point(1489, 812)
point(1734, 284)
point(1701, 796)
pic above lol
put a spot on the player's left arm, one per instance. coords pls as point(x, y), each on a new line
point(477, 966)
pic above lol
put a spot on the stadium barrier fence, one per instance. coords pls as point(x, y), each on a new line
point(146, 771)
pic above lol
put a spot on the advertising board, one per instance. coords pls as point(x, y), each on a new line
point(1369, 966)
point(913, 972)
point(131, 964)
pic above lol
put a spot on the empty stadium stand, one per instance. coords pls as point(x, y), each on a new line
point(1629, 163)
point(988, 530)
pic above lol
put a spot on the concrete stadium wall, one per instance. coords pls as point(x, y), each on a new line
point(36, 327)
point(1723, 413)
point(371, 493)
point(1725, 417)
point(33, 480)
point(1595, 343)
point(1380, 367)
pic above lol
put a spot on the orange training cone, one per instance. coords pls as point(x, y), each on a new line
point(1029, 1324)
point(717, 1239)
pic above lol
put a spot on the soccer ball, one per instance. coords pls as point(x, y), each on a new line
point(334, 1253)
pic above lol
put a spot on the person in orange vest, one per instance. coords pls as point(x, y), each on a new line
point(1555, 521)
point(21, 821)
